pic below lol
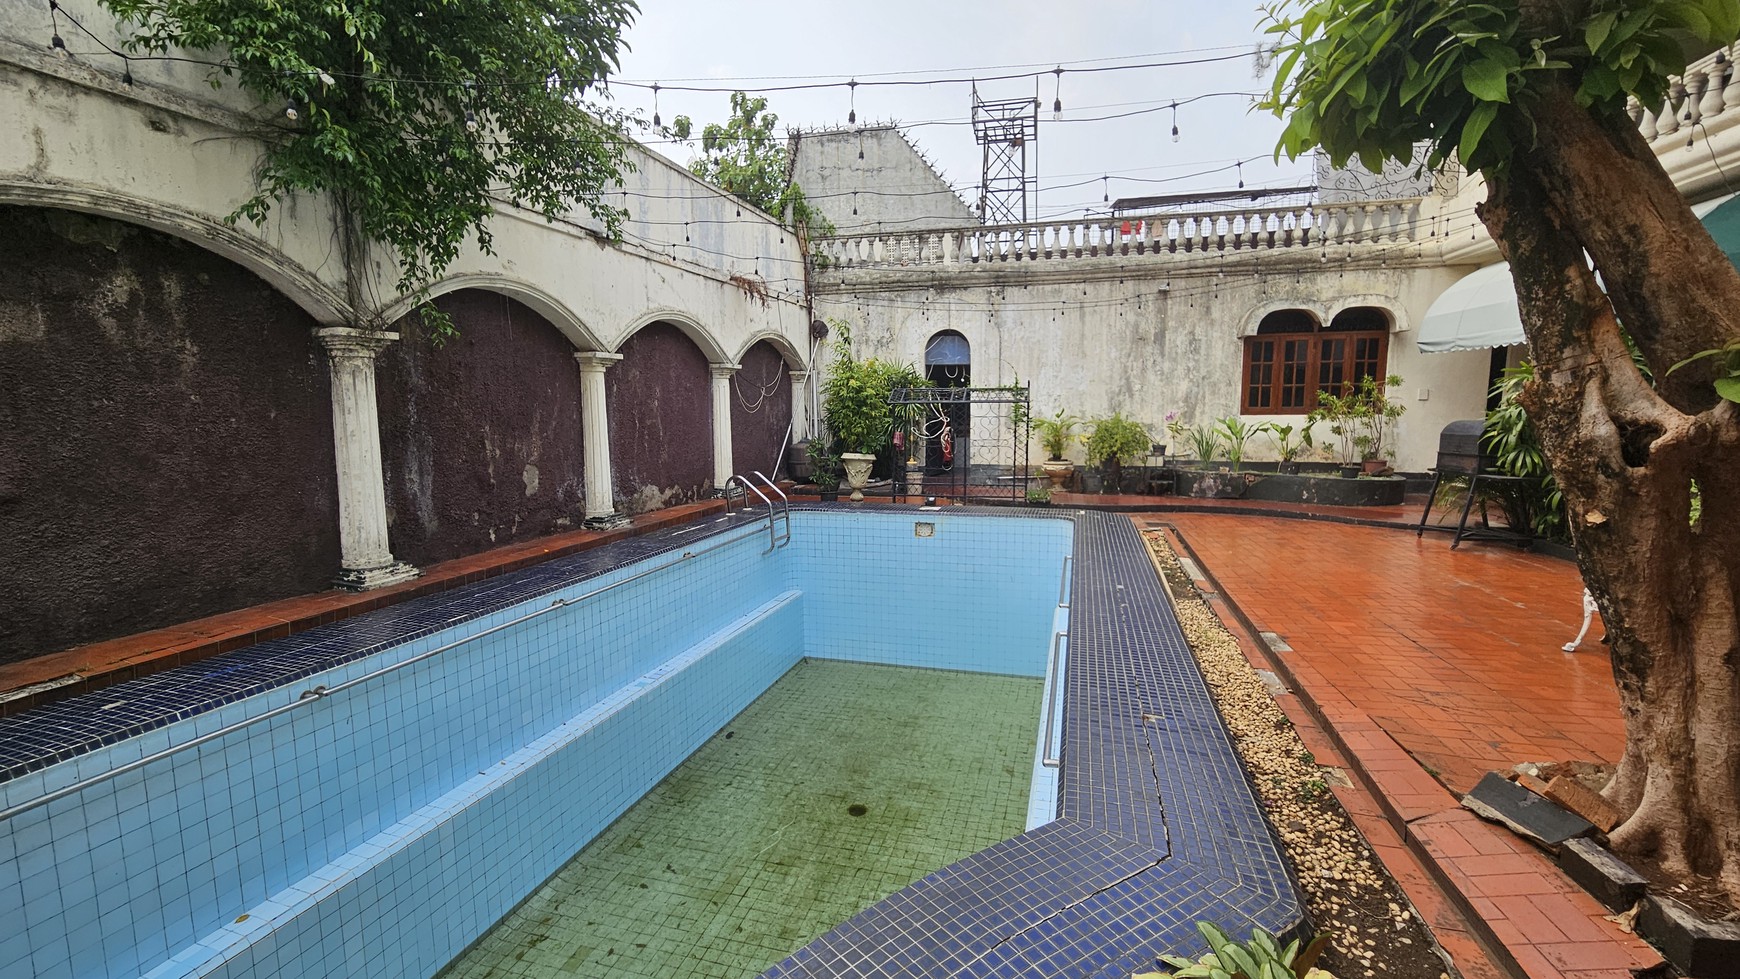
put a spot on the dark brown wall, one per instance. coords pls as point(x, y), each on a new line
point(760, 409)
point(661, 410)
point(165, 435)
point(480, 435)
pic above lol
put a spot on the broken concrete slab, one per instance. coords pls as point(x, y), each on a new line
point(1528, 815)
point(1606, 877)
point(1697, 946)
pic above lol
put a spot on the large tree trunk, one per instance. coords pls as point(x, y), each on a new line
point(1626, 455)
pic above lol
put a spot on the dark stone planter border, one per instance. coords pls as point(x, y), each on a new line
point(1694, 944)
point(1326, 490)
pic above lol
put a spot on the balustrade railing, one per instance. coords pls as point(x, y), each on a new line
point(1213, 232)
point(1709, 88)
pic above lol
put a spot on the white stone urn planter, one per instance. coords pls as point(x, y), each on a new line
point(1057, 470)
point(857, 472)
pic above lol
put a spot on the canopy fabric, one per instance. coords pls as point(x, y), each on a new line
point(1480, 310)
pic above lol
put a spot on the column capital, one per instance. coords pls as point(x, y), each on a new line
point(799, 377)
point(349, 342)
point(723, 370)
point(595, 360)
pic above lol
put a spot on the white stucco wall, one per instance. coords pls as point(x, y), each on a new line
point(896, 189)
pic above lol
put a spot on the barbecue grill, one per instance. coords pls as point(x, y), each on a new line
point(1461, 452)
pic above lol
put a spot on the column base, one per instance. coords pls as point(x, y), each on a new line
point(607, 521)
point(368, 579)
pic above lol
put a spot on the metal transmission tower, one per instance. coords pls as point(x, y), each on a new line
point(1008, 130)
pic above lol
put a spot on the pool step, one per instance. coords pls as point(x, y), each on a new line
point(475, 828)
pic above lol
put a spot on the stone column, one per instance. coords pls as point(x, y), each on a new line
point(722, 468)
point(595, 432)
point(367, 561)
point(800, 405)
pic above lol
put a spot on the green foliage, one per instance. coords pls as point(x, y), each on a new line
point(1362, 418)
point(1286, 445)
point(1056, 433)
point(1117, 438)
point(855, 396)
point(747, 159)
point(1039, 494)
point(825, 465)
point(1261, 957)
point(1374, 77)
point(1727, 380)
point(1511, 439)
point(416, 117)
point(1204, 440)
point(1235, 435)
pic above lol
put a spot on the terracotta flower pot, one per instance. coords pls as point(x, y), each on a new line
point(1057, 470)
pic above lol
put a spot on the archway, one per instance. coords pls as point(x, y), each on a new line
point(761, 409)
point(480, 434)
point(948, 363)
point(165, 437)
point(661, 419)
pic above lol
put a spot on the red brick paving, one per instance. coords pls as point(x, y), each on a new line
point(1412, 655)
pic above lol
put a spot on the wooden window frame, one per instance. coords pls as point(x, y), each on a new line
point(1271, 386)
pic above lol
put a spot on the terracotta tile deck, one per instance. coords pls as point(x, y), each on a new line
point(105, 663)
point(1416, 661)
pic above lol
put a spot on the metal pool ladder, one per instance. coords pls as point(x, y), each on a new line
point(774, 513)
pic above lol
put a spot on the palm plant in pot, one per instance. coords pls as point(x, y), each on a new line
point(1341, 414)
point(825, 469)
point(1290, 448)
point(1114, 443)
point(1055, 435)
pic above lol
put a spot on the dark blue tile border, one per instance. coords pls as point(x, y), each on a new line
point(1157, 828)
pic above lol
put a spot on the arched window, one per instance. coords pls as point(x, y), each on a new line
point(948, 360)
point(1292, 357)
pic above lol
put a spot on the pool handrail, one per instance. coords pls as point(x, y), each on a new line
point(1064, 592)
point(784, 504)
point(1050, 757)
point(742, 480)
point(321, 691)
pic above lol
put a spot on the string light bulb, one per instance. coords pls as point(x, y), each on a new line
point(470, 121)
point(655, 91)
point(1175, 122)
point(290, 112)
point(1057, 95)
point(852, 113)
point(1241, 167)
point(59, 46)
point(1105, 190)
point(126, 71)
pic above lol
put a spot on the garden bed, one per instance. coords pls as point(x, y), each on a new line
point(1325, 490)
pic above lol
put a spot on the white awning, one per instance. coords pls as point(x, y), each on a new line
point(1479, 311)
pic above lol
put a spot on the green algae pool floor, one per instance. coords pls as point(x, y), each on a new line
point(757, 843)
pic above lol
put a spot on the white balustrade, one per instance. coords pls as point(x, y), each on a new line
point(1709, 88)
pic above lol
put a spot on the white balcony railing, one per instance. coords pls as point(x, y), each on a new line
point(1709, 88)
point(1218, 232)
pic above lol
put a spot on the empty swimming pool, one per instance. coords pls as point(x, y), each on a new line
point(369, 797)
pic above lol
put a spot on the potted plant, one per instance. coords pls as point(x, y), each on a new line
point(825, 469)
point(1204, 441)
point(1115, 442)
point(1288, 447)
point(1234, 435)
point(1376, 419)
point(1341, 414)
point(855, 407)
point(1055, 435)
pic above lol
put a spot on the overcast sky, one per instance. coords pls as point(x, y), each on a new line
point(720, 43)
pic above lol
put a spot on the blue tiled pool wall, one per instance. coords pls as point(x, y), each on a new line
point(126, 874)
point(978, 594)
point(378, 831)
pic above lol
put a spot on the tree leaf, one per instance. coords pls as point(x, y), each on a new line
point(1596, 30)
point(1728, 387)
point(1474, 129)
point(1487, 80)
